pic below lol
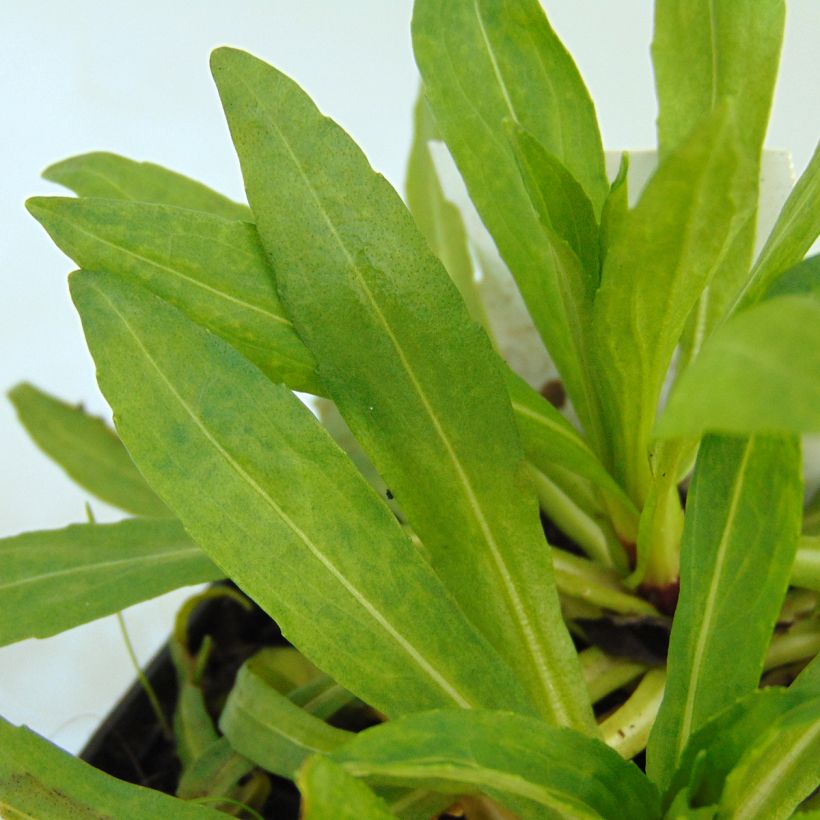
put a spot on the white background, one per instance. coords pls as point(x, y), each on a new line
point(133, 78)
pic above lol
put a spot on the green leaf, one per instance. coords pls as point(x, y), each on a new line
point(756, 373)
point(803, 279)
point(352, 267)
point(39, 780)
point(533, 769)
point(793, 234)
point(806, 569)
point(86, 448)
point(213, 269)
point(281, 509)
point(269, 729)
point(657, 266)
point(58, 579)
point(100, 174)
point(616, 208)
point(717, 748)
point(739, 540)
point(437, 218)
point(705, 53)
point(330, 793)
point(215, 772)
point(485, 63)
point(809, 679)
point(779, 771)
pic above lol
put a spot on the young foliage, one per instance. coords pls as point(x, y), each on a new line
point(274, 502)
point(410, 401)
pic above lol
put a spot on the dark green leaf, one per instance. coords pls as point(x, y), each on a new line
point(281, 509)
point(58, 579)
point(801, 280)
point(100, 174)
point(213, 269)
point(739, 541)
point(534, 769)
point(406, 366)
point(756, 373)
point(87, 449)
point(38, 780)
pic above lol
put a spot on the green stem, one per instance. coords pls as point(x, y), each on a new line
point(791, 647)
point(595, 537)
point(141, 677)
point(581, 578)
point(627, 729)
point(604, 674)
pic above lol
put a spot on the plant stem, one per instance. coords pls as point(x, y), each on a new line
point(581, 578)
point(627, 729)
point(604, 674)
point(141, 677)
point(791, 647)
point(595, 537)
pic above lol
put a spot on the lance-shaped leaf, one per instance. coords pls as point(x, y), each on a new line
point(656, 268)
point(415, 378)
point(719, 746)
point(269, 496)
point(705, 53)
point(213, 269)
point(330, 793)
point(536, 770)
point(779, 770)
point(758, 372)
point(437, 218)
point(794, 233)
point(101, 174)
point(484, 63)
point(58, 579)
point(87, 449)
point(739, 540)
point(268, 728)
point(39, 780)
point(803, 279)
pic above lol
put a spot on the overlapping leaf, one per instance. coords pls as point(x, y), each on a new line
point(109, 176)
point(330, 793)
point(266, 493)
point(739, 541)
point(415, 378)
point(58, 579)
point(211, 268)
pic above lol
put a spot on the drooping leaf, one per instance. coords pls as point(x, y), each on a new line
point(779, 771)
point(657, 265)
point(756, 373)
point(86, 448)
point(330, 793)
point(739, 541)
point(794, 233)
point(717, 748)
point(437, 218)
point(268, 728)
point(39, 780)
point(351, 265)
point(534, 769)
point(281, 509)
point(485, 63)
point(101, 174)
point(58, 579)
point(213, 269)
point(705, 53)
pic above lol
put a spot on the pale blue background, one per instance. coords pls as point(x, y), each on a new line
point(133, 78)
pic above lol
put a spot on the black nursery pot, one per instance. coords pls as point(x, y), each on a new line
point(131, 745)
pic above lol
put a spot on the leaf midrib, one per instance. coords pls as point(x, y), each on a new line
point(448, 688)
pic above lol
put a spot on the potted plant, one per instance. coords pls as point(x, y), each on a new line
point(444, 653)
